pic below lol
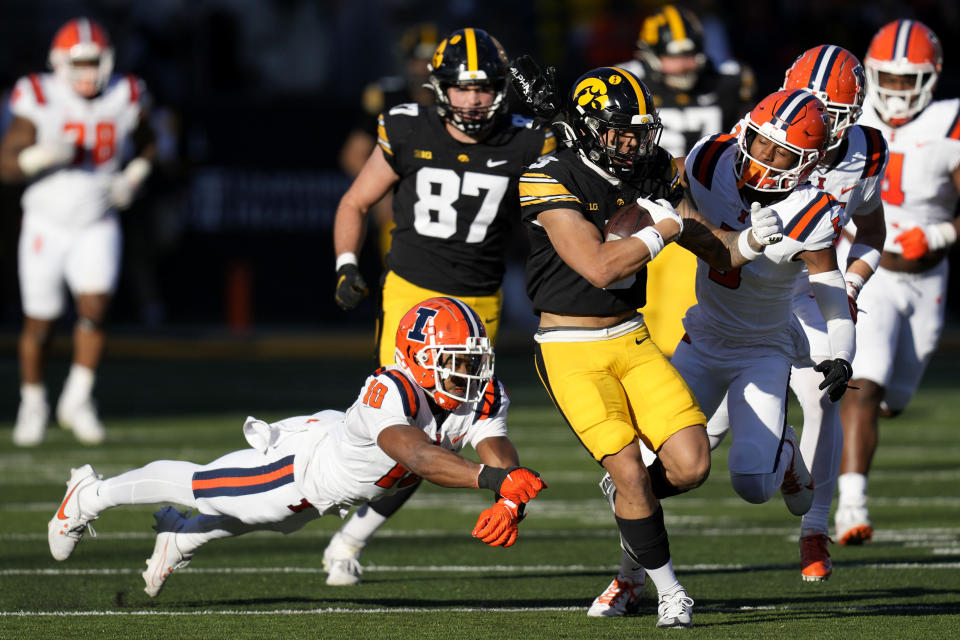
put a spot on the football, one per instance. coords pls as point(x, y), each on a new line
point(627, 220)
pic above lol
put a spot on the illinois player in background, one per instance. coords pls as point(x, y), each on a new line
point(742, 337)
point(612, 385)
point(67, 140)
point(409, 421)
point(694, 98)
point(851, 171)
point(903, 304)
point(416, 47)
point(453, 170)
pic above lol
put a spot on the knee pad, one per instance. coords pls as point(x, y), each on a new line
point(755, 488)
point(86, 323)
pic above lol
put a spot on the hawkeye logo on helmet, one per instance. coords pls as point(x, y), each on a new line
point(416, 333)
point(592, 92)
point(438, 56)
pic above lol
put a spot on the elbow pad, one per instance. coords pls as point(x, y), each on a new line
point(830, 291)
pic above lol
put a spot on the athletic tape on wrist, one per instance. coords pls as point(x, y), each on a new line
point(652, 238)
point(860, 251)
point(347, 257)
point(743, 244)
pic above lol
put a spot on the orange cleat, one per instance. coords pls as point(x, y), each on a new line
point(815, 565)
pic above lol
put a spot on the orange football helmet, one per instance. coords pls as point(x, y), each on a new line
point(81, 56)
point(903, 48)
point(793, 119)
point(444, 339)
point(834, 75)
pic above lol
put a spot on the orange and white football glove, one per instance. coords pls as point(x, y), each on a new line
point(518, 484)
point(918, 241)
point(497, 526)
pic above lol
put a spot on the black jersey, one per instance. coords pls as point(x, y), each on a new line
point(455, 202)
point(714, 105)
point(566, 181)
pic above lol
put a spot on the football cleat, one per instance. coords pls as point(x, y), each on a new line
point(621, 597)
point(675, 610)
point(167, 556)
point(815, 565)
point(66, 528)
point(341, 561)
point(797, 486)
point(32, 417)
point(852, 525)
point(81, 417)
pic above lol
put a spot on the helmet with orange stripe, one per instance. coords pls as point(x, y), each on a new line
point(834, 75)
point(671, 42)
point(614, 122)
point(443, 345)
point(781, 140)
point(469, 58)
point(909, 49)
point(82, 57)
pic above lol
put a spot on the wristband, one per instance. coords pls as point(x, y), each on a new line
point(854, 283)
point(860, 251)
point(347, 257)
point(743, 244)
point(652, 238)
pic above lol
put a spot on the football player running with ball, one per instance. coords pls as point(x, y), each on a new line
point(903, 305)
point(409, 421)
point(67, 139)
point(611, 383)
point(453, 169)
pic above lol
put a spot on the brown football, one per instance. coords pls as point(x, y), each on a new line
point(626, 221)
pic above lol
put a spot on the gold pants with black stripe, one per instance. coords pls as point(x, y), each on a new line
point(616, 390)
point(400, 295)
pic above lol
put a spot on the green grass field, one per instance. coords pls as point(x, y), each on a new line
point(426, 577)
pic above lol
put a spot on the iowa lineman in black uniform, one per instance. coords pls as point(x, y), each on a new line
point(694, 99)
point(612, 385)
point(453, 169)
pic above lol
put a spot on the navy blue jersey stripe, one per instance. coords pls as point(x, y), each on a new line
point(409, 395)
point(807, 219)
point(709, 155)
point(242, 472)
point(247, 490)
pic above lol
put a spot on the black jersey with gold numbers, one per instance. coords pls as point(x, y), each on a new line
point(566, 181)
point(455, 203)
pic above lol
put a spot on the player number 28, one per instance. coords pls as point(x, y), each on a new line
point(438, 189)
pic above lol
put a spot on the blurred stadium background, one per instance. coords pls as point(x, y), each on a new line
point(253, 99)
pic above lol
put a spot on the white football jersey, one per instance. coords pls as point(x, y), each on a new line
point(918, 186)
point(751, 304)
point(349, 468)
point(78, 193)
point(854, 179)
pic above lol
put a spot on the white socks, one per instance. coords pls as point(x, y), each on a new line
point(79, 384)
point(853, 489)
point(361, 527)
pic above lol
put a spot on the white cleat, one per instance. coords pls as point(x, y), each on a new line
point(66, 528)
point(797, 485)
point(341, 561)
point(81, 418)
point(31, 424)
point(621, 597)
point(852, 524)
point(166, 557)
point(675, 610)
